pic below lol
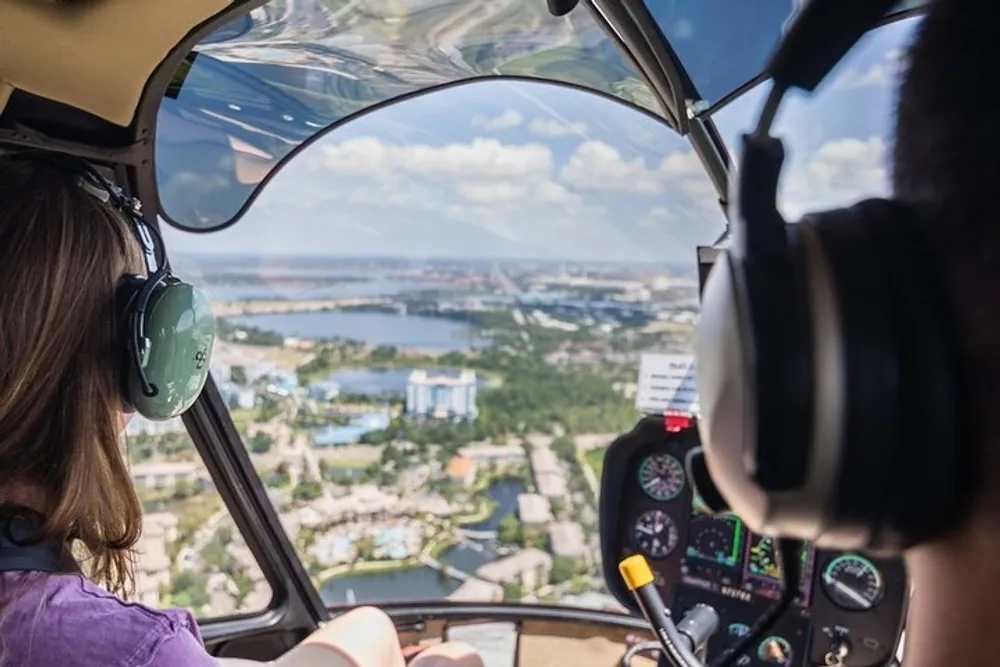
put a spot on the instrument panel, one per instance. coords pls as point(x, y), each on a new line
point(649, 506)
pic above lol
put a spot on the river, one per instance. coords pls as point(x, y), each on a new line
point(424, 583)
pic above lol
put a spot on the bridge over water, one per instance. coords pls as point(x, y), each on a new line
point(477, 534)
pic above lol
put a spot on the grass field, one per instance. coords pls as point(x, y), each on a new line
point(595, 459)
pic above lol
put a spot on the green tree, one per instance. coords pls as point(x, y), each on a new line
point(513, 591)
point(509, 530)
point(364, 549)
point(184, 488)
point(282, 474)
point(306, 490)
point(214, 554)
point(190, 590)
point(261, 443)
point(238, 374)
point(563, 569)
point(564, 448)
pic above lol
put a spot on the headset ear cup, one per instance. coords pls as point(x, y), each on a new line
point(128, 288)
point(180, 333)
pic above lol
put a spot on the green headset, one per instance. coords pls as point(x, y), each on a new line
point(165, 326)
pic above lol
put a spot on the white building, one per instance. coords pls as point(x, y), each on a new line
point(529, 567)
point(549, 474)
point(485, 452)
point(567, 539)
point(166, 475)
point(442, 396)
point(533, 509)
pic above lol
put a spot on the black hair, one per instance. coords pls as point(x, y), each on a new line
point(946, 160)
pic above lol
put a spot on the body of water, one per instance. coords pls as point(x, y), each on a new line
point(424, 583)
point(416, 583)
point(405, 331)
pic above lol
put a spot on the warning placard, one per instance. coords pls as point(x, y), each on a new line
point(666, 383)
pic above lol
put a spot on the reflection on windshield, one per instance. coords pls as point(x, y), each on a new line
point(431, 324)
point(724, 44)
point(261, 85)
point(836, 140)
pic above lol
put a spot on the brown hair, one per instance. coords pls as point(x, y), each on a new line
point(62, 252)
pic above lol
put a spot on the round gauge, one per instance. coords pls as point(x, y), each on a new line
point(714, 538)
point(661, 477)
point(775, 650)
point(853, 582)
point(655, 534)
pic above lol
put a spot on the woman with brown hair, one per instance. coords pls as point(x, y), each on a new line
point(63, 250)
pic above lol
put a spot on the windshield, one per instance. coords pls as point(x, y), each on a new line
point(436, 318)
point(725, 44)
point(258, 87)
point(431, 325)
point(837, 140)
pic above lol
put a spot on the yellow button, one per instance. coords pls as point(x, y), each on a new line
point(635, 571)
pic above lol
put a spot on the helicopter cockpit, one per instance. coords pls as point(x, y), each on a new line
point(453, 251)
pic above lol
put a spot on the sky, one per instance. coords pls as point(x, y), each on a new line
point(502, 169)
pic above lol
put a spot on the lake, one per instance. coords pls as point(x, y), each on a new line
point(430, 334)
point(424, 583)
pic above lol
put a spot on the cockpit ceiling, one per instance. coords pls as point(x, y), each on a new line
point(94, 55)
point(259, 87)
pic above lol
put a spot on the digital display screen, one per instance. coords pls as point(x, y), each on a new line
point(723, 554)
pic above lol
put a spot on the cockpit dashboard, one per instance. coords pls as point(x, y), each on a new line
point(648, 506)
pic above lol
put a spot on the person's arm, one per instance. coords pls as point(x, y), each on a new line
point(181, 649)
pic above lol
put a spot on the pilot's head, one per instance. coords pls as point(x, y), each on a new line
point(947, 157)
point(62, 252)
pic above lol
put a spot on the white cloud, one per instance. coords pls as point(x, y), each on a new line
point(655, 217)
point(840, 172)
point(882, 73)
point(505, 121)
point(484, 197)
point(551, 127)
point(598, 166)
point(492, 192)
point(481, 157)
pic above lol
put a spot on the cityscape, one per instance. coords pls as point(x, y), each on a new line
point(424, 431)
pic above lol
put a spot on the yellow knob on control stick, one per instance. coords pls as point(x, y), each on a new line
point(636, 572)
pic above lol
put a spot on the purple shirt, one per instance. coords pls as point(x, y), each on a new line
point(64, 620)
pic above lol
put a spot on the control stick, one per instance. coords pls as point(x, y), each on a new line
point(684, 645)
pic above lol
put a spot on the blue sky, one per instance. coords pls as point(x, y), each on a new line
point(509, 169)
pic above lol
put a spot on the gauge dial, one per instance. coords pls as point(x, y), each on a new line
point(655, 534)
point(716, 538)
point(853, 582)
point(661, 477)
point(775, 650)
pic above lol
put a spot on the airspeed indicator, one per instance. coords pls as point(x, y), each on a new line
point(662, 477)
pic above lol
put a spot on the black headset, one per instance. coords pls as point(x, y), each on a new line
point(829, 383)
